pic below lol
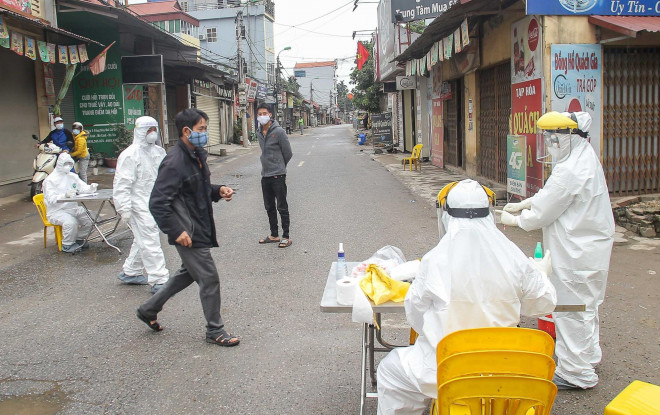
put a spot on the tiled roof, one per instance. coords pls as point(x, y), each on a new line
point(156, 7)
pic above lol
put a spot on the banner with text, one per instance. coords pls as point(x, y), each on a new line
point(576, 83)
point(526, 109)
point(516, 171)
point(411, 10)
point(381, 127)
point(595, 7)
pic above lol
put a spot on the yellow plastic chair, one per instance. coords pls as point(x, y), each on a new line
point(496, 395)
point(415, 157)
point(638, 398)
point(495, 338)
point(41, 207)
point(496, 362)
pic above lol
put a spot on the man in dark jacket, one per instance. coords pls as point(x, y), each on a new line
point(181, 205)
point(60, 136)
point(275, 155)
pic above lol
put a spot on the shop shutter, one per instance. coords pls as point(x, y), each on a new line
point(210, 107)
point(67, 106)
point(494, 112)
point(631, 114)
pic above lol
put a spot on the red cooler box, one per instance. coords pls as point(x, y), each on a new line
point(547, 324)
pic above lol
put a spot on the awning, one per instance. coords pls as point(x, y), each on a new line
point(45, 26)
point(449, 21)
point(627, 25)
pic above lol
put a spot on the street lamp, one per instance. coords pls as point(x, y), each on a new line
point(277, 81)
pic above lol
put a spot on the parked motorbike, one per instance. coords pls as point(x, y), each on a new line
point(43, 165)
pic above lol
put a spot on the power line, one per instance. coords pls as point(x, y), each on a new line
point(314, 19)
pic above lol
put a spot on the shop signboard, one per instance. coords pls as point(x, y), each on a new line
point(594, 7)
point(386, 40)
point(289, 101)
point(411, 10)
point(516, 172)
point(299, 74)
point(526, 109)
point(133, 105)
point(261, 91)
point(20, 5)
point(99, 102)
point(527, 92)
point(576, 83)
point(381, 127)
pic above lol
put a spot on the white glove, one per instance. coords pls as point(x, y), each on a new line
point(517, 207)
point(70, 193)
point(93, 187)
point(544, 265)
point(126, 216)
point(508, 219)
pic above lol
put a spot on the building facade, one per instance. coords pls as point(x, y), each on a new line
point(318, 84)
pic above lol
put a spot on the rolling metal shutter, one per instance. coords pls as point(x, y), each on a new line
point(210, 106)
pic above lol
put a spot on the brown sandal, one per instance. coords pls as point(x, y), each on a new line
point(267, 240)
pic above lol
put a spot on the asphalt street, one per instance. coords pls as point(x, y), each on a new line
point(71, 343)
point(71, 340)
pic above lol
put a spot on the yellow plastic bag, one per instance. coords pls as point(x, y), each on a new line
point(381, 288)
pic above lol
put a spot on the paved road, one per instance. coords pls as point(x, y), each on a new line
point(71, 339)
point(71, 343)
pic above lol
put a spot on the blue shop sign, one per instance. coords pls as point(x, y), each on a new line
point(594, 7)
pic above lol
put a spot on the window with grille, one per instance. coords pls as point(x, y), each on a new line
point(184, 5)
point(211, 34)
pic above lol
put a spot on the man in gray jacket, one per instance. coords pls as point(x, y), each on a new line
point(275, 155)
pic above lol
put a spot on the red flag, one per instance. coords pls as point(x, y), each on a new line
point(97, 65)
point(362, 56)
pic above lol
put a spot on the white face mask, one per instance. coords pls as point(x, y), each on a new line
point(152, 137)
point(263, 119)
point(59, 126)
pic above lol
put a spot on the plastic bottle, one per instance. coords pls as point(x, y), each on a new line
point(538, 252)
point(342, 271)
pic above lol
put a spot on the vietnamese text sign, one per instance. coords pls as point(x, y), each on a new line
point(595, 7)
point(516, 170)
point(133, 105)
point(576, 83)
point(99, 102)
point(410, 10)
point(299, 74)
point(381, 126)
point(526, 109)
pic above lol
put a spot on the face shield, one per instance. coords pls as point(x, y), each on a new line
point(553, 146)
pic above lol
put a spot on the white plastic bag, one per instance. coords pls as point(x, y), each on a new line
point(387, 257)
point(406, 271)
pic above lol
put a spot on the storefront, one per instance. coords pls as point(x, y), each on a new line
point(27, 87)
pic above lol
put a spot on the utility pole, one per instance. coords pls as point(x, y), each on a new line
point(240, 34)
point(311, 103)
point(277, 89)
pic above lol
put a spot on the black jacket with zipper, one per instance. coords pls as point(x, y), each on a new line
point(182, 195)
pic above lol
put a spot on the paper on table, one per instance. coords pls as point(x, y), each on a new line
point(362, 311)
point(87, 195)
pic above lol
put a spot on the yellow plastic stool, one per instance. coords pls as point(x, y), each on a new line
point(638, 398)
point(41, 208)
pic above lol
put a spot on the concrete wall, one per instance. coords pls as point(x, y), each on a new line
point(257, 51)
point(471, 92)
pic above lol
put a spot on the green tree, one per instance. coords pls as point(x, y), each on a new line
point(367, 93)
point(342, 97)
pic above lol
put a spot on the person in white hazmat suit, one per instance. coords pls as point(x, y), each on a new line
point(73, 219)
point(573, 209)
point(137, 169)
point(475, 277)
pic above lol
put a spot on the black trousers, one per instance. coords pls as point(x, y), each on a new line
point(274, 192)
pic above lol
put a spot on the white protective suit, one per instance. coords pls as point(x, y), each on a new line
point(73, 219)
point(475, 277)
point(137, 169)
point(574, 211)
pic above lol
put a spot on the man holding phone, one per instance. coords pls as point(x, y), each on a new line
point(181, 205)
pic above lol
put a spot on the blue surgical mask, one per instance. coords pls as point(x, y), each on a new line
point(75, 131)
point(198, 139)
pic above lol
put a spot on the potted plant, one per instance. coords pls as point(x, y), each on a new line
point(123, 139)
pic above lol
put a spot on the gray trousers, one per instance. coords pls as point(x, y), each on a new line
point(198, 266)
point(83, 163)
